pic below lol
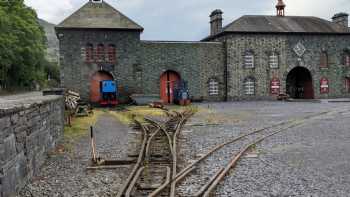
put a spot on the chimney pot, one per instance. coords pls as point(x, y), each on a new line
point(341, 19)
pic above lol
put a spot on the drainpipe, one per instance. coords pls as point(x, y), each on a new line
point(226, 70)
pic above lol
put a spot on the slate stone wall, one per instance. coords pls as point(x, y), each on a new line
point(196, 62)
point(27, 132)
point(263, 44)
point(76, 73)
point(141, 63)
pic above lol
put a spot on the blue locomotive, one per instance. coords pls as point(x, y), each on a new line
point(109, 91)
point(181, 93)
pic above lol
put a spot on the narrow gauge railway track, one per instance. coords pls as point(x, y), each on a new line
point(157, 161)
point(238, 146)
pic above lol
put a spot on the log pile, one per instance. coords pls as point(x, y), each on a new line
point(71, 100)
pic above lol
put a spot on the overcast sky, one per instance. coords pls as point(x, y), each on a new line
point(188, 19)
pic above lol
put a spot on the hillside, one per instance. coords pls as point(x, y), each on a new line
point(52, 50)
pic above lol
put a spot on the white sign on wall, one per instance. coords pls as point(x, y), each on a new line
point(299, 49)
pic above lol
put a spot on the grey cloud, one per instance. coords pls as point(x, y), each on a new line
point(189, 19)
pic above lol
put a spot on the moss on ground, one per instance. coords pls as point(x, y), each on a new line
point(79, 128)
point(125, 116)
point(80, 125)
point(139, 112)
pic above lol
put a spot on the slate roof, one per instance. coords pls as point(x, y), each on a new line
point(285, 24)
point(99, 16)
point(296, 24)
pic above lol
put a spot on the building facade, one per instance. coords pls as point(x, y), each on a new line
point(254, 57)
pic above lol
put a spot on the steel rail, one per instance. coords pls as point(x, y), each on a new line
point(133, 182)
point(237, 157)
point(206, 186)
point(164, 130)
point(160, 189)
point(139, 160)
point(184, 116)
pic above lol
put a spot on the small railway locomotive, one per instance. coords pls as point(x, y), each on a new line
point(181, 93)
point(109, 91)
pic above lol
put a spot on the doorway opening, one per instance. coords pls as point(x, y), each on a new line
point(168, 82)
point(299, 84)
point(95, 91)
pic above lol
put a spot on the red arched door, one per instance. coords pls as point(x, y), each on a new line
point(168, 80)
point(95, 93)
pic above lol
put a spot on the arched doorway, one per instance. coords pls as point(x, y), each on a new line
point(168, 81)
point(299, 83)
point(95, 93)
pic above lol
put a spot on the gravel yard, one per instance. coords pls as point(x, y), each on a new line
point(312, 159)
point(65, 175)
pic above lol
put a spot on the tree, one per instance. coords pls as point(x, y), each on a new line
point(22, 45)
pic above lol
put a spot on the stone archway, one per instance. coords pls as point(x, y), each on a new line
point(299, 83)
point(168, 82)
point(97, 77)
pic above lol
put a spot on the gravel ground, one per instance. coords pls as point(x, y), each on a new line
point(312, 159)
point(65, 175)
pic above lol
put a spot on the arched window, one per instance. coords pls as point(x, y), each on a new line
point(213, 87)
point(249, 86)
point(249, 60)
point(347, 58)
point(324, 60)
point(273, 60)
point(112, 53)
point(100, 54)
point(89, 53)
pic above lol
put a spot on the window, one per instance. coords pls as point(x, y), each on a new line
point(249, 60)
point(273, 60)
point(213, 87)
point(89, 53)
point(249, 86)
point(347, 84)
point(347, 59)
point(324, 60)
point(111, 53)
point(100, 54)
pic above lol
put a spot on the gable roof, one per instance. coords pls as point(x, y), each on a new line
point(285, 24)
point(297, 24)
point(98, 16)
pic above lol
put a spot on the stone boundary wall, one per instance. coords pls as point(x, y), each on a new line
point(29, 129)
point(195, 62)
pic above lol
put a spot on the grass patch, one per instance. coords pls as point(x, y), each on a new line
point(125, 116)
point(80, 127)
point(139, 112)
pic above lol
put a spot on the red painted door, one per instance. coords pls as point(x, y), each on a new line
point(308, 90)
point(95, 94)
point(347, 85)
point(167, 84)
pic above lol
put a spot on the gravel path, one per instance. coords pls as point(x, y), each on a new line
point(309, 160)
point(65, 175)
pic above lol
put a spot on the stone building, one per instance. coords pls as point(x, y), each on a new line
point(254, 57)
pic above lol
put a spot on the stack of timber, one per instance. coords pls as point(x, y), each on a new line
point(71, 100)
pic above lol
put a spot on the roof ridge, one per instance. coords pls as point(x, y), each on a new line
point(99, 16)
point(285, 24)
point(115, 9)
point(76, 11)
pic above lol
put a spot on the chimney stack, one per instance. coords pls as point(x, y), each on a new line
point(215, 22)
point(341, 19)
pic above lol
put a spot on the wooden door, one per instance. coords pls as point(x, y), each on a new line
point(168, 82)
point(308, 90)
point(95, 92)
